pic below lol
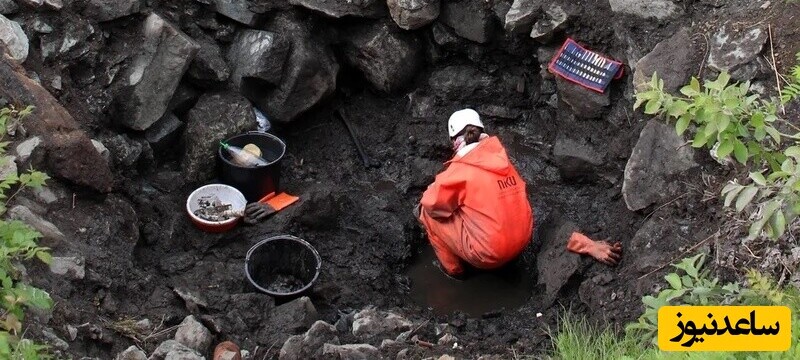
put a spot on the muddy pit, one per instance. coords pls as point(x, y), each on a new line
point(484, 292)
point(145, 260)
point(360, 221)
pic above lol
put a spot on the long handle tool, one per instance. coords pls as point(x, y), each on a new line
point(368, 161)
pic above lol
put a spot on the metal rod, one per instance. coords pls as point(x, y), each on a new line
point(363, 154)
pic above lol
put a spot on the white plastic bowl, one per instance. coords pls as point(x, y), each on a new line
point(226, 194)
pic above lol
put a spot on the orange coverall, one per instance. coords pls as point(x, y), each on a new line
point(477, 210)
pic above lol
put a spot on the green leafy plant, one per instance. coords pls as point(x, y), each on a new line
point(730, 120)
point(17, 244)
point(763, 291)
point(691, 284)
point(792, 91)
point(725, 116)
point(777, 196)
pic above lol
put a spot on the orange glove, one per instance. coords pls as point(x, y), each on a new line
point(602, 251)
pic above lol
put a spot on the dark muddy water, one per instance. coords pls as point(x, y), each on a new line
point(480, 293)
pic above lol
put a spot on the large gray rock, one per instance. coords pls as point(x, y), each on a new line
point(8, 7)
point(173, 350)
point(731, 49)
point(555, 20)
point(216, 117)
point(471, 19)
point(52, 235)
point(673, 60)
point(341, 8)
point(310, 344)
point(585, 103)
point(309, 74)
point(107, 10)
point(413, 14)
point(577, 159)
point(554, 263)
point(237, 10)
point(388, 59)
point(351, 352)
point(192, 334)
point(257, 59)
point(659, 9)
point(522, 15)
point(459, 82)
point(14, 39)
point(371, 324)
point(164, 133)
point(209, 67)
point(151, 80)
point(132, 353)
point(658, 161)
point(294, 316)
point(72, 267)
point(659, 238)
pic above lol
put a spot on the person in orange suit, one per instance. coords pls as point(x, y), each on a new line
point(477, 209)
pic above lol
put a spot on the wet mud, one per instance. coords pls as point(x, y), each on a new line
point(479, 293)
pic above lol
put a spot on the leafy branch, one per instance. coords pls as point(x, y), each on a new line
point(690, 284)
point(18, 242)
point(729, 120)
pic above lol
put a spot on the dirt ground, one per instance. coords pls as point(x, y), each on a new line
point(360, 219)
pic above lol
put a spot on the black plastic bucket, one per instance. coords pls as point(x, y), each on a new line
point(282, 266)
point(254, 182)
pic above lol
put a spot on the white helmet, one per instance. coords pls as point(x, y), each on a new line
point(460, 119)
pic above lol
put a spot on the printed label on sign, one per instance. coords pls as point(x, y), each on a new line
point(724, 328)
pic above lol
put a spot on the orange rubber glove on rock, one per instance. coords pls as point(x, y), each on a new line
point(600, 250)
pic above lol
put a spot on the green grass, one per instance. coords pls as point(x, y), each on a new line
point(577, 339)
